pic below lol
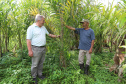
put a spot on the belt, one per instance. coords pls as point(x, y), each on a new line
point(39, 46)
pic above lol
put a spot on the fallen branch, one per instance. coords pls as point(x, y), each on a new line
point(73, 65)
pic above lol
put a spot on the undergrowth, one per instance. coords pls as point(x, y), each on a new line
point(16, 69)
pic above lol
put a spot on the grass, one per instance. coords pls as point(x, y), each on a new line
point(16, 70)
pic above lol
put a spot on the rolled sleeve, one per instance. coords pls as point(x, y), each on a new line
point(77, 30)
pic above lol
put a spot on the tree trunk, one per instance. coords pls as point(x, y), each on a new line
point(19, 39)
point(62, 58)
point(77, 41)
point(0, 45)
point(111, 45)
point(111, 41)
point(115, 45)
point(3, 42)
point(6, 41)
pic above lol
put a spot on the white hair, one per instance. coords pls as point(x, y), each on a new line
point(38, 17)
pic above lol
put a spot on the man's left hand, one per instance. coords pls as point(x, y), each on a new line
point(90, 51)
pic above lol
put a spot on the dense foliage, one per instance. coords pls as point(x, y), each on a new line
point(61, 64)
point(16, 70)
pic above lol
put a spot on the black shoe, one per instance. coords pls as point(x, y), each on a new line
point(81, 66)
point(35, 81)
point(86, 69)
point(41, 77)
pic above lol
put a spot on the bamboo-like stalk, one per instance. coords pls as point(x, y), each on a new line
point(19, 39)
point(0, 44)
point(62, 58)
point(6, 41)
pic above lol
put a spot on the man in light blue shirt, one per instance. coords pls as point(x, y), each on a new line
point(37, 35)
point(36, 41)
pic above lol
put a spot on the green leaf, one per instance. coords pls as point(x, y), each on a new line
point(124, 66)
point(123, 46)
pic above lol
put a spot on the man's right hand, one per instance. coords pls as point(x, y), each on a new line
point(69, 27)
point(30, 53)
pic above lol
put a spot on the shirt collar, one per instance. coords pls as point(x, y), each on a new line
point(34, 24)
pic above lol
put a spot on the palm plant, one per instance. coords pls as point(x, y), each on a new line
point(5, 27)
point(106, 26)
point(121, 26)
point(0, 30)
